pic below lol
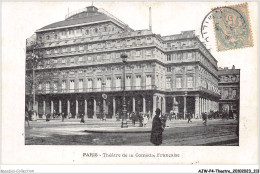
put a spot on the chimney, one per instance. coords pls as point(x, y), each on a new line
point(233, 67)
point(150, 18)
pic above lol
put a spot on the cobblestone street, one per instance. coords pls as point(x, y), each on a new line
point(96, 132)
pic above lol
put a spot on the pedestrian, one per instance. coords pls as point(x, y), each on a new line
point(62, 116)
point(157, 129)
point(27, 119)
point(133, 118)
point(204, 117)
point(189, 117)
point(145, 120)
point(82, 118)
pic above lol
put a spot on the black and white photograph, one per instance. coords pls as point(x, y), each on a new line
point(118, 82)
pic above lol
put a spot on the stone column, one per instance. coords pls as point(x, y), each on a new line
point(77, 108)
point(164, 105)
point(154, 105)
point(37, 109)
point(86, 108)
point(133, 104)
point(44, 109)
point(68, 108)
point(184, 109)
point(197, 107)
point(144, 105)
point(202, 105)
point(95, 108)
point(51, 107)
point(114, 107)
point(60, 108)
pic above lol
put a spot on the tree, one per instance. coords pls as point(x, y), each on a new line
point(35, 75)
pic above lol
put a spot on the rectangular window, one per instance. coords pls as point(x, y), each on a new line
point(137, 53)
point(98, 58)
point(189, 56)
point(72, 87)
point(225, 94)
point(80, 85)
point(178, 82)
point(63, 60)
point(99, 83)
point(169, 58)
point(89, 47)
point(149, 40)
point(81, 47)
point(108, 83)
point(138, 82)
point(72, 60)
point(138, 41)
point(128, 83)
point(168, 83)
point(118, 43)
point(168, 45)
point(189, 82)
point(63, 86)
point(89, 58)
point(234, 93)
point(169, 69)
point(108, 44)
point(90, 84)
point(148, 82)
point(55, 87)
point(80, 59)
point(148, 52)
point(40, 86)
point(128, 42)
point(118, 83)
point(47, 87)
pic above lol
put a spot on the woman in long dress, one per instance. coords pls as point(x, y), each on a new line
point(157, 129)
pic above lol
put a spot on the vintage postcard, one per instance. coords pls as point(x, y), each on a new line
point(130, 83)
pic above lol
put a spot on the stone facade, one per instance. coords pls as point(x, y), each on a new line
point(82, 56)
point(229, 86)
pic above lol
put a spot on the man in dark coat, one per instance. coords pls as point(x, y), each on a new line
point(156, 133)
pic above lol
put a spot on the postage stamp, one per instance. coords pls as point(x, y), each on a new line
point(232, 27)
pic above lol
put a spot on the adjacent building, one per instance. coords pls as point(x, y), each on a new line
point(81, 61)
point(229, 87)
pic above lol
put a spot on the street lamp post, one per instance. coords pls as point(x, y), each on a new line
point(124, 122)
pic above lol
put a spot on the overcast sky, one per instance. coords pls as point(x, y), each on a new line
point(21, 20)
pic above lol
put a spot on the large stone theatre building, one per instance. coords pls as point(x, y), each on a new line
point(81, 58)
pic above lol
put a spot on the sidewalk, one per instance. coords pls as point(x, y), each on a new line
point(113, 126)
